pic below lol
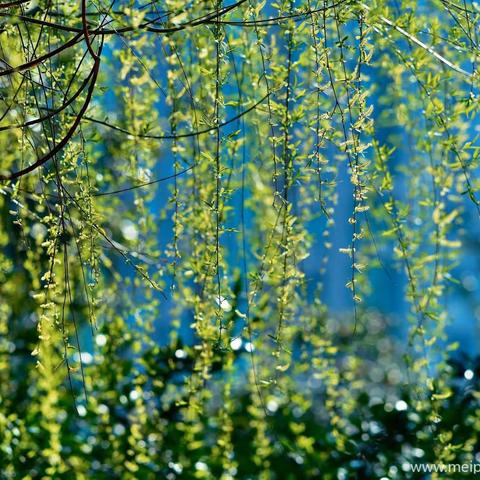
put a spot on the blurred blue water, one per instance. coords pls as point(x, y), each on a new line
point(388, 296)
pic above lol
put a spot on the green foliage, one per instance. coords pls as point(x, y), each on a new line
point(162, 167)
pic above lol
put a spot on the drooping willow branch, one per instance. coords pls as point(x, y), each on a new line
point(86, 31)
point(92, 79)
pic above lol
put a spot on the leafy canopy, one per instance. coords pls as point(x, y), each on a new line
point(183, 185)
